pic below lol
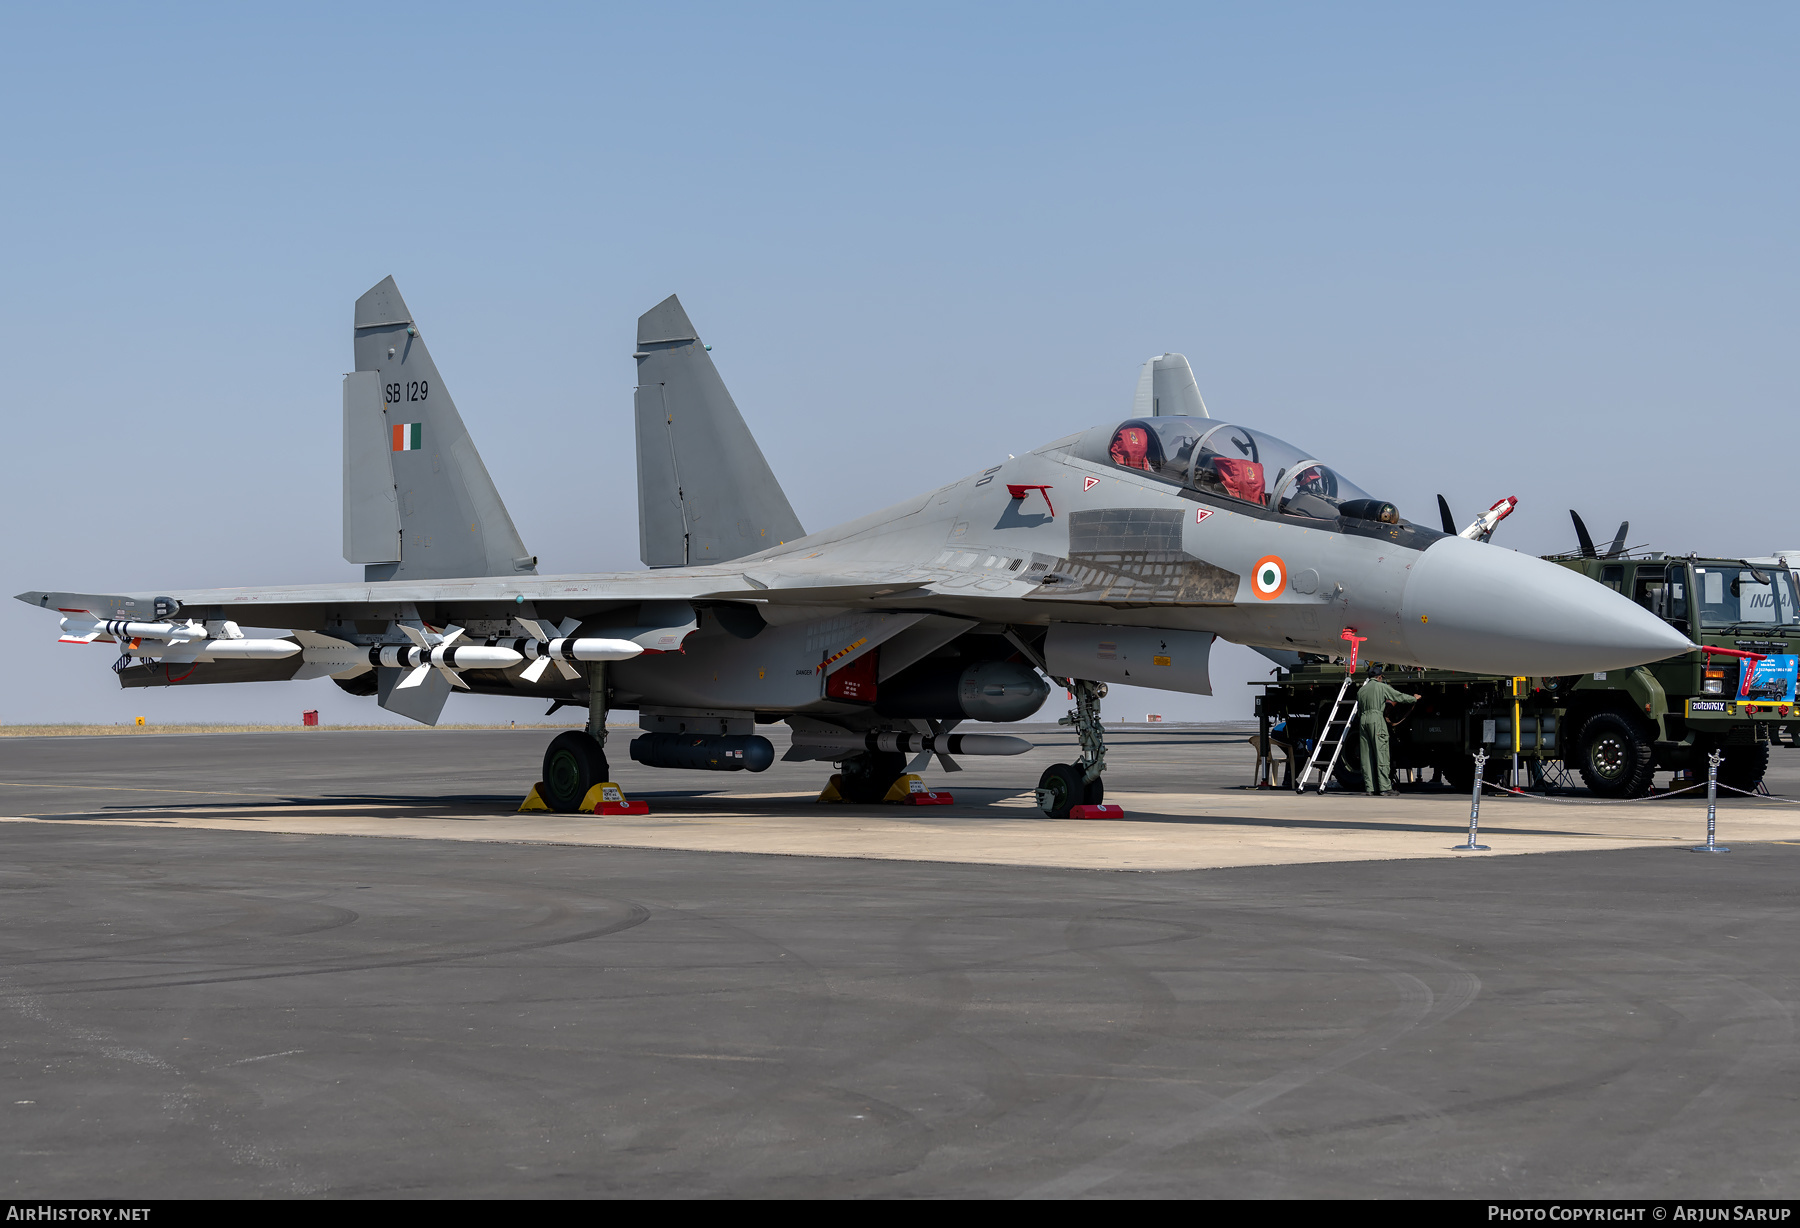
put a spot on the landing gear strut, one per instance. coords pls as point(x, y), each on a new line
point(1065, 785)
point(576, 760)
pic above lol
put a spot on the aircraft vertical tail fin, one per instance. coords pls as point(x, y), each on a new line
point(418, 502)
point(706, 493)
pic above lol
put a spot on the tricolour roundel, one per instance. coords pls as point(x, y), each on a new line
point(1270, 577)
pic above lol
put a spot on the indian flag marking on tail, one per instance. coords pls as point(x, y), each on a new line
point(408, 436)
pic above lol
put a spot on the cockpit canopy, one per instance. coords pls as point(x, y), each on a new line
point(1238, 463)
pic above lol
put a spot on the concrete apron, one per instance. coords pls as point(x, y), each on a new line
point(1161, 831)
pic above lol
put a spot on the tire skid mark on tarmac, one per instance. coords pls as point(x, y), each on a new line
point(636, 915)
point(1667, 1117)
point(187, 1103)
point(1770, 1023)
point(750, 1091)
point(1585, 1140)
point(1192, 1096)
point(1414, 1007)
point(238, 910)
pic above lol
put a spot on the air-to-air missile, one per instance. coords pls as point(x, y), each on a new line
point(188, 641)
point(1117, 554)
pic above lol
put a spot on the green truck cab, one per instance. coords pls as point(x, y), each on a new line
point(1617, 728)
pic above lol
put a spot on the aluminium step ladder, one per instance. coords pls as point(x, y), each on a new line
point(1337, 730)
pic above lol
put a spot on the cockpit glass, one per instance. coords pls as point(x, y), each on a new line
point(1163, 446)
point(1732, 596)
point(1232, 461)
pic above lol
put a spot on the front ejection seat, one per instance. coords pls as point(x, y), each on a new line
point(1131, 447)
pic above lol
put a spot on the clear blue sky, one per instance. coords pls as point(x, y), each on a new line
point(1536, 250)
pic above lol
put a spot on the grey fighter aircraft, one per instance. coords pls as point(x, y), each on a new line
point(1115, 554)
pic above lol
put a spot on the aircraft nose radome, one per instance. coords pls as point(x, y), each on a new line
point(1484, 609)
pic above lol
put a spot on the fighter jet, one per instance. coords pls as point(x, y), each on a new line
point(1114, 554)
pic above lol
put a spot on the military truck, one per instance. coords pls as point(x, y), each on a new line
point(1615, 729)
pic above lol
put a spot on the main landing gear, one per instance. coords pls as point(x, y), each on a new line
point(576, 760)
point(1065, 785)
point(866, 779)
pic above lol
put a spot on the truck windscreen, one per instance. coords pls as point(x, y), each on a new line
point(1731, 596)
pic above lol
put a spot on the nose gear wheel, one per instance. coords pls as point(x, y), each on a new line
point(1066, 785)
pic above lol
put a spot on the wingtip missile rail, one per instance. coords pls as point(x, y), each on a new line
point(186, 641)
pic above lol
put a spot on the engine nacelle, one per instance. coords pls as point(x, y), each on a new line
point(704, 752)
point(950, 690)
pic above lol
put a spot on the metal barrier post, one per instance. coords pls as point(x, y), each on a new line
point(1712, 806)
point(1475, 808)
point(1517, 732)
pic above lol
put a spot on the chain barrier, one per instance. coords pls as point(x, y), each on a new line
point(1632, 801)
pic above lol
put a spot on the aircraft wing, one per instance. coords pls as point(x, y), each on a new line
point(496, 596)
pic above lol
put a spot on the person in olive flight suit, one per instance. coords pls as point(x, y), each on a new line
point(1372, 699)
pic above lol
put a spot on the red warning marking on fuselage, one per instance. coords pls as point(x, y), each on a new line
point(1088, 484)
point(1201, 513)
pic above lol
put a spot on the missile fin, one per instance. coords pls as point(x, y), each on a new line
point(534, 629)
point(941, 734)
point(566, 670)
point(414, 678)
point(454, 678)
point(536, 669)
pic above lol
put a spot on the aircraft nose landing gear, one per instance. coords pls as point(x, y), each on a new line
point(1066, 785)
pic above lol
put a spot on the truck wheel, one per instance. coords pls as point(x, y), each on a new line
point(866, 779)
point(1616, 760)
point(574, 764)
point(1744, 766)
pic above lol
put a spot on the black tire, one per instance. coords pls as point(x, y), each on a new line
point(1459, 771)
point(866, 779)
point(1348, 772)
point(1096, 792)
point(1744, 766)
point(573, 764)
point(1616, 760)
point(1063, 782)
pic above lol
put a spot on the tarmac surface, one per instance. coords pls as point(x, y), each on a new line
point(339, 965)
